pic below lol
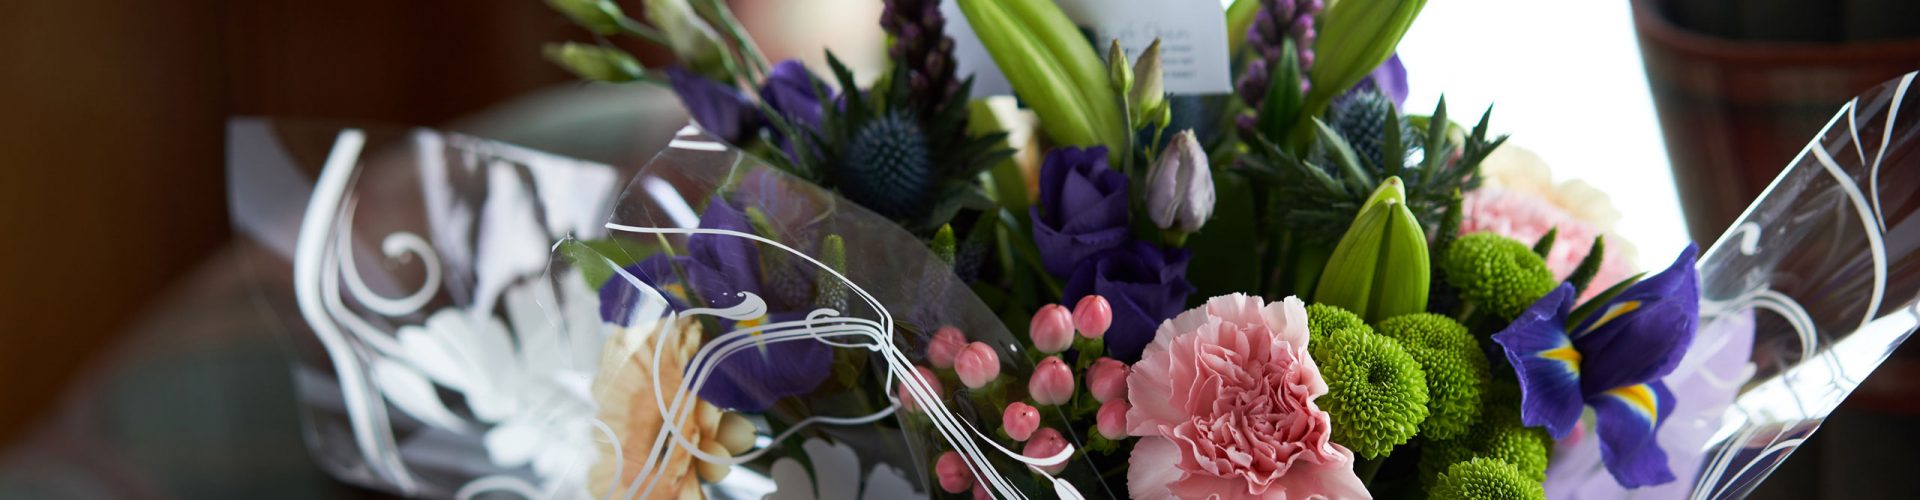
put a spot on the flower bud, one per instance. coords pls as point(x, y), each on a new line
point(1112, 419)
point(1052, 382)
point(907, 402)
point(1092, 316)
point(1119, 72)
point(1149, 87)
point(1380, 268)
point(977, 365)
point(602, 17)
point(955, 476)
point(593, 62)
point(1051, 329)
point(947, 342)
point(1046, 443)
point(1180, 186)
point(1020, 420)
point(1107, 379)
point(691, 38)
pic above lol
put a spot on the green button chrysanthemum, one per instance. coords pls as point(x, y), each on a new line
point(1376, 393)
point(1455, 367)
point(1497, 274)
point(1485, 479)
point(1499, 436)
point(1323, 319)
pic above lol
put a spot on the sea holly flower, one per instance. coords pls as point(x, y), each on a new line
point(1613, 361)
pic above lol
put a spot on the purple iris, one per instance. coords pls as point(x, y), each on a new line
point(715, 271)
point(1082, 210)
point(1390, 79)
point(1613, 362)
point(1143, 283)
point(719, 108)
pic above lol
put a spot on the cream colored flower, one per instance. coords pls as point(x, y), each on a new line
point(626, 392)
point(1517, 169)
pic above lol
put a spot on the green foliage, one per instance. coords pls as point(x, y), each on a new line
point(1355, 37)
point(1544, 246)
point(1376, 393)
point(1485, 479)
point(596, 259)
point(593, 62)
point(1319, 191)
point(1589, 266)
point(1455, 366)
point(1499, 276)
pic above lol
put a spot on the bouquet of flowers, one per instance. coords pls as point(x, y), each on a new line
point(1287, 288)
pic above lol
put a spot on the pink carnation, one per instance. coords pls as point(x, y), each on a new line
point(1526, 217)
point(1223, 405)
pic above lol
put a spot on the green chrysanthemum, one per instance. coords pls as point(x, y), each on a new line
point(887, 167)
point(1499, 275)
point(1485, 479)
point(1499, 436)
point(1455, 367)
point(1376, 394)
point(1323, 319)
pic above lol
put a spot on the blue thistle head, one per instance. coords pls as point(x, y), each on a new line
point(887, 167)
point(1361, 118)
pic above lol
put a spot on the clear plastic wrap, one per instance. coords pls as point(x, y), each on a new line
point(1802, 298)
point(467, 319)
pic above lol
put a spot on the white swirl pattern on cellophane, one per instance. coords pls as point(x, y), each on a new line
point(1773, 416)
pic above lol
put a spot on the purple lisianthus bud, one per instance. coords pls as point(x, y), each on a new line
point(1180, 186)
point(1390, 79)
point(1082, 210)
point(1144, 284)
point(719, 108)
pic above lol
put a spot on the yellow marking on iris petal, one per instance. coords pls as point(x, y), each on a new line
point(1613, 312)
point(1640, 397)
point(677, 290)
point(750, 323)
point(1564, 354)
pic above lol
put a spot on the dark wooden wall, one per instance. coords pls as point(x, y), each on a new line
point(112, 118)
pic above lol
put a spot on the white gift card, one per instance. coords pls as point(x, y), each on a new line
point(1192, 33)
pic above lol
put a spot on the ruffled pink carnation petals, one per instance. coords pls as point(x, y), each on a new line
point(1223, 403)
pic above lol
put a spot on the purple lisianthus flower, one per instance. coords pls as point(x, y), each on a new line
point(790, 91)
point(717, 271)
point(1082, 210)
point(1614, 361)
point(1390, 79)
point(1143, 283)
point(719, 108)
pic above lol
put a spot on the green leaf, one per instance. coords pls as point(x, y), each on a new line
point(1589, 266)
point(1355, 37)
point(1544, 245)
point(1280, 108)
point(1231, 266)
point(1586, 309)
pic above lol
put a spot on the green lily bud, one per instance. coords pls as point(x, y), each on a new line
point(593, 62)
point(1355, 37)
point(1149, 90)
point(1051, 68)
point(602, 17)
point(692, 40)
point(1380, 268)
point(1119, 71)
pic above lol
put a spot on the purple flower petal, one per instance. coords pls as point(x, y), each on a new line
point(1082, 211)
point(717, 107)
point(1642, 334)
point(1546, 362)
point(752, 379)
point(1144, 284)
point(1626, 420)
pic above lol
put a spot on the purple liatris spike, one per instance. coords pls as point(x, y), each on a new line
point(1613, 361)
point(920, 45)
point(1277, 22)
